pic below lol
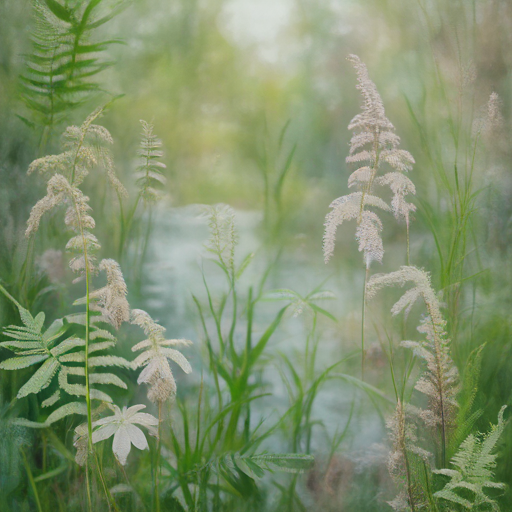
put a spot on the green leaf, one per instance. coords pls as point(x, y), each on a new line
point(21, 345)
point(58, 414)
point(262, 343)
point(289, 462)
point(39, 322)
point(59, 10)
point(107, 378)
point(110, 361)
point(66, 346)
point(41, 379)
point(323, 312)
point(56, 329)
point(51, 400)
point(16, 363)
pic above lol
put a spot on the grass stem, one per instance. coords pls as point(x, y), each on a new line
point(31, 480)
point(362, 322)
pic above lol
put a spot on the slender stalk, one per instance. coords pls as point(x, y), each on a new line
point(362, 322)
point(9, 296)
point(409, 481)
point(158, 450)
point(31, 480)
point(110, 500)
point(407, 227)
point(88, 485)
point(86, 364)
point(441, 390)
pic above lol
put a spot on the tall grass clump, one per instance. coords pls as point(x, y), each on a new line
point(72, 346)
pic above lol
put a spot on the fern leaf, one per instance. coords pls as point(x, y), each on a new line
point(54, 398)
point(16, 363)
point(21, 346)
point(474, 464)
point(149, 173)
point(109, 361)
point(66, 346)
point(41, 379)
point(107, 378)
point(58, 414)
point(62, 67)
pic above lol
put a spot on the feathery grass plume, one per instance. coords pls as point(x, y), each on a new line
point(404, 439)
point(84, 147)
point(110, 300)
point(223, 236)
point(157, 372)
point(149, 174)
point(490, 124)
point(473, 474)
point(373, 143)
point(440, 380)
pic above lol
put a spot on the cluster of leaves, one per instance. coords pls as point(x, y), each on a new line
point(65, 61)
point(58, 354)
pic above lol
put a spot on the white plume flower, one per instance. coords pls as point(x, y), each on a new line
point(373, 143)
point(155, 358)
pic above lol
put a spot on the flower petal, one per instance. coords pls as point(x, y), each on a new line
point(132, 410)
point(105, 421)
point(137, 437)
point(144, 419)
point(104, 432)
point(121, 445)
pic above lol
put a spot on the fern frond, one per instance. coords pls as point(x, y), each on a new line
point(61, 71)
point(474, 470)
point(149, 174)
point(36, 347)
point(63, 411)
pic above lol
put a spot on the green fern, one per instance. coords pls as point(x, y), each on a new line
point(33, 345)
point(65, 60)
point(474, 473)
point(149, 173)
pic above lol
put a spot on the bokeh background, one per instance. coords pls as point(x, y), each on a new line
point(240, 91)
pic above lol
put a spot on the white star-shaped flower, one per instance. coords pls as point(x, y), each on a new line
point(122, 426)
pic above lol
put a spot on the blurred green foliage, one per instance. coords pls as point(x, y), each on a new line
point(251, 101)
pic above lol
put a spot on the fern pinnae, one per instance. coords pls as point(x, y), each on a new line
point(474, 464)
point(149, 174)
point(61, 68)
